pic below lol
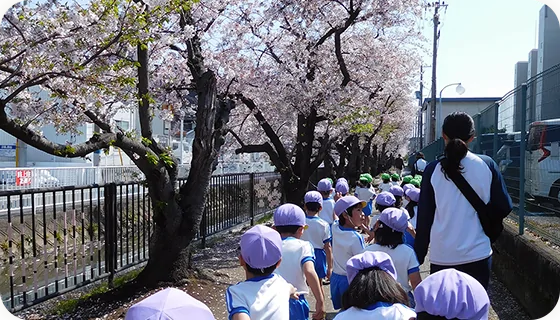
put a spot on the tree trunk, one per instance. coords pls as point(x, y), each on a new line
point(177, 214)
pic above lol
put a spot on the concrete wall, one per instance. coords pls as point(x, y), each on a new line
point(529, 269)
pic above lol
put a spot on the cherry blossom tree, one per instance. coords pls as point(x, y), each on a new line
point(68, 63)
point(298, 66)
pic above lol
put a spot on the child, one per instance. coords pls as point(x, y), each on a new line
point(405, 187)
point(386, 185)
point(383, 201)
point(412, 195)
point(341, 189)
point(415, 182)
point(389, 230)
point(346, 243)
point(263, 295)
point(395, 179)
point(398, 193)
point(170, 303)
point(318, 234)
point(298, 261)
point(325, 188)
point(373, 292)
point(365, 192)
point(451, 294)
point(406, 180)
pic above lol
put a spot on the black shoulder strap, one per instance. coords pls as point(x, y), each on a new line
point(468, 192)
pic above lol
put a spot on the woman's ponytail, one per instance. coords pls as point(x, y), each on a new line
point(458, 127)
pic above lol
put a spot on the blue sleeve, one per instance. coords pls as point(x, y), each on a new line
point(426, 213)
point(499, 196)
point(234, 304)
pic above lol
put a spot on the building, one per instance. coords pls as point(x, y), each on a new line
point(520, 77)
point(472, 106)
point(532, 67)
point(547, 104)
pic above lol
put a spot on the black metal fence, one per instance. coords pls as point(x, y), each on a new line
point(521, 132)
point(58, 239)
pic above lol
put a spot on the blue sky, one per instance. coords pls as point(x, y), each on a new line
point(480, 42)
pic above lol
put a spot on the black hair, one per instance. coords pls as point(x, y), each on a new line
point(385, 236)
point(420, 155)
point(459, 128)
point(325, 194)
point(426, 316)
point(364, 184)
point(341, 219)
point(386, 180)
point(410, 208)
point(398, 202)
point(373, 285)
point(394, 179)
point(287, 229)
point(313, 206)
point(261, 272)
point(380, 208)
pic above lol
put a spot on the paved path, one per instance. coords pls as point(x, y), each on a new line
point(504, 305)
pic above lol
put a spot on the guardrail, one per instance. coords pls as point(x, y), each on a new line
point(54, 240)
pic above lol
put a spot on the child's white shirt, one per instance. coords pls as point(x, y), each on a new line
point(395, 183)
point(386, 311)
point(295, 252)
point(404, 260)
point(413, 219)
point(328, 211)
point(264, 298)
point(346, 243)
point(365, 194)
point(385, 187)
point(318, 232)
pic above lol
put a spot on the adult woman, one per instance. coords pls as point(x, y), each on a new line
point(446, 219)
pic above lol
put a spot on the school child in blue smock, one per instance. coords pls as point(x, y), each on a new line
point(263, 295)
point(341, 188)
point(365, 192)
point(298, 261)
point(389, 230)
point(346, 243)
point(327, 212)
point(318, 233)
point(383, 201)
point(373, 292)
point(398, 193)
point(412, 195)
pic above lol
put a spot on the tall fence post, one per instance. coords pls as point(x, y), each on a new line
point(203, 225)
point(110, 206)
point(522, 150)
point(252, 197)
point(478, 133)
point(496, 115)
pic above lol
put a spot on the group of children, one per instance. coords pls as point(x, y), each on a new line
point(367, 259)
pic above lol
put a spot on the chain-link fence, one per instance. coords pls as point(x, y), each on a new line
point(521, 132)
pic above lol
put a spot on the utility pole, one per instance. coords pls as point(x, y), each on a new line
point(421, 106)
point(436, 5)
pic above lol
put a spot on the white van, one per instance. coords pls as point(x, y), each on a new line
point(542, 161)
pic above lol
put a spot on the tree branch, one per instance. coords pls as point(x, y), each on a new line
point(280, 149)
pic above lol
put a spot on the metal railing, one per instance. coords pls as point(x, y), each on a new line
point(513, 131)
point(67, 237)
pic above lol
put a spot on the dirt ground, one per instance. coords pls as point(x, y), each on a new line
point(219, 269)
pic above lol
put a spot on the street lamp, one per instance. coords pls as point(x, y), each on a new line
point(460, 90)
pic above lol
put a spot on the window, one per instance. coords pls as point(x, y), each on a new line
point(122, 124)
